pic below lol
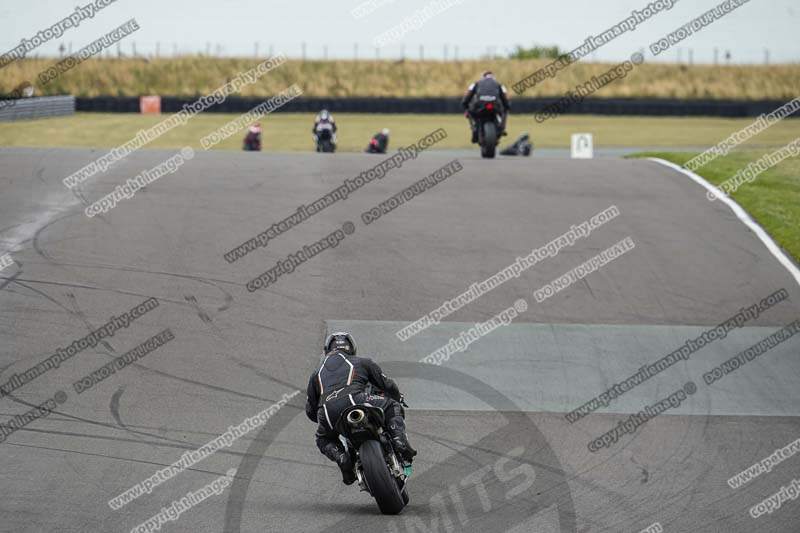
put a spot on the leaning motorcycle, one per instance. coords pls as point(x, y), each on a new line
point(252, 142)
point(488, 121)
point(522, 146)
point(374, 148)
point(379, 470)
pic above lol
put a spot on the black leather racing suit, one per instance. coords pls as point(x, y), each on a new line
point(378, 144)
point(341, 381)
point(486, 87)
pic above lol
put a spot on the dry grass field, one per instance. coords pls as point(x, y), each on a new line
point(193, 75)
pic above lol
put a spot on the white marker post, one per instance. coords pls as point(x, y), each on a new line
point(582, 146)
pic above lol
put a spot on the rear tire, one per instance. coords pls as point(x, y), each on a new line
point(489, 139)
point(381, 483)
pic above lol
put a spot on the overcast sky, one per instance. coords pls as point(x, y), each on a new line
point(234, 26)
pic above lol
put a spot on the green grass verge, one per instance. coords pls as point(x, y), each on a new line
point(292, 131)
point(772, 199)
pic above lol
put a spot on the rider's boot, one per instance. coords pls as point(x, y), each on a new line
point(397, 430)
point(342, 459)
point(347, 468)
point(474, 134)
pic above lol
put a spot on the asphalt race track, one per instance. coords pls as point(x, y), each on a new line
point(496, 451)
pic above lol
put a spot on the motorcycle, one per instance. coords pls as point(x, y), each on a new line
point(522, 146)
point(379, 143)
point(379, 470)
point(489, 124)
point(252, 141)
point(375, 148)
point(325, 140)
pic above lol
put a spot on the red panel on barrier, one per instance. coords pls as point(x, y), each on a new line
point(150, 104)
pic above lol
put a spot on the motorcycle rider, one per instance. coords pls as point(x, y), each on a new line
point(340, 382)
point(324, 121)
point(379, 143)
point(252, 140)
point(487, 86)
point(522, 146)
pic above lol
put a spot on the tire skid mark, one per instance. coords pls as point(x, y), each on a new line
point(160, 372)
point(260, 373)
point(39, 231)
point(10, 279)
point(131, 460)
point(87, 421)
point(80, 314)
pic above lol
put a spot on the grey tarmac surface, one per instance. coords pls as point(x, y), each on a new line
point(599, 151)
point(496, 452)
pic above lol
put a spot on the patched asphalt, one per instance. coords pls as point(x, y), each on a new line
point(496, 452)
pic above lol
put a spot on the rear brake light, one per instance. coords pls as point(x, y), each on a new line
point(490, 106)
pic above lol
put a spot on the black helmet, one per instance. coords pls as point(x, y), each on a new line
point(341, 341)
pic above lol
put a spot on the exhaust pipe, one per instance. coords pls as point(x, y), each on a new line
point(356, 417)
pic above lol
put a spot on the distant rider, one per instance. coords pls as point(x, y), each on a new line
point(379, 143)
point(324, 121)
point(252, 140)
point(522, 146)
point(341, 381)
point(486, 87)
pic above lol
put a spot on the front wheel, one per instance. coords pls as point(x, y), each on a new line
point(406, 497)
point(380, 482)
point(489, 139)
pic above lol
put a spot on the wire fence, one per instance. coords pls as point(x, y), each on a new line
point(420, 51)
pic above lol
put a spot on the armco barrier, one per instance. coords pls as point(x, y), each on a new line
point(590, 106)
point(36, 107)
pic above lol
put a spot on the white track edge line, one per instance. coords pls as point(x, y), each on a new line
point(742, 215)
